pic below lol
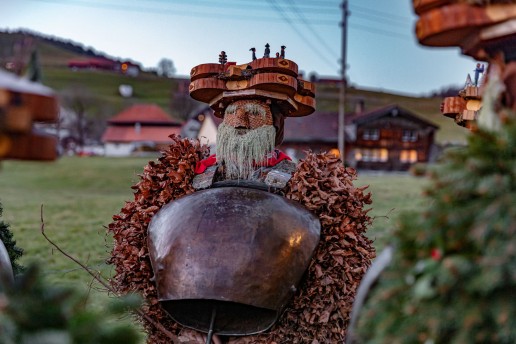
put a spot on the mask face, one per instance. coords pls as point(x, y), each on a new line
point(248, 114)
point(245, 138)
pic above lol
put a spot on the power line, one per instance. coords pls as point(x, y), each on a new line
point(279, 9)
point(376, 18)
point(379, 31)
point(314, 3)
point(211, 15)
point(300, 18)
point(383, 14)
point(310, 28)
point(174, 12)
point(261, 6)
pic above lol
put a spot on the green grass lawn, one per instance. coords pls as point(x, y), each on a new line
point(392, 193)
point(80, 195)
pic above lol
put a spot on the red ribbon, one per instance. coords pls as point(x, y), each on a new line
point(275, 159)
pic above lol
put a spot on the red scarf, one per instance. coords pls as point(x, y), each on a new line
point(275, 159)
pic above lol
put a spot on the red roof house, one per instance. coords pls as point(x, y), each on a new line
point(139, 126)
point(92, 63)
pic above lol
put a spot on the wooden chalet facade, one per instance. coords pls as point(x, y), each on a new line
point(389, 138)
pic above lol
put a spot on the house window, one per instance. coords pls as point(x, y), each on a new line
point(371, 134)
point(409, 136)
point(408, 156)
point(374, 155)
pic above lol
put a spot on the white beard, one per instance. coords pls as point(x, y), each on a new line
point(241, 150)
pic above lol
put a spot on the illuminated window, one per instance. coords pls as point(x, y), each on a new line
point(408, 156)
point(365, 154)
point(358, 155)
point(409, 136)
point(384, 155)
point(371, 134)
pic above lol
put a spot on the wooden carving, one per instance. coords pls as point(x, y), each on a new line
point(478, 27)
point(452, 106)
point(269, 78)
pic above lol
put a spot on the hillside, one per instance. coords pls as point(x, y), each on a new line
point(53, 57)
point(55, 53)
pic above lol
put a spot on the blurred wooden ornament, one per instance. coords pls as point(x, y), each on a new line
point(22, 103)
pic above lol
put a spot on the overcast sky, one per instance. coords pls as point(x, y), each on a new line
point(382, 51)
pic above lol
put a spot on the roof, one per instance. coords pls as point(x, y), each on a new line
point(320, 126)
point(157, 134)
point(40, 99)
point(390, 111)
point(143, 114)
point(93, 61)
point(12, 82)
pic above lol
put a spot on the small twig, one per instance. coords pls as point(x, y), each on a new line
point(386, 215)
point(97, 277)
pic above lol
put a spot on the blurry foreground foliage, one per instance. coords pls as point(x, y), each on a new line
point(34, 312)
point(14, 252)
point(453, 277)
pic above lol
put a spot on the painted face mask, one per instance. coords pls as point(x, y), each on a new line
point(248, 114)
point(245, 138)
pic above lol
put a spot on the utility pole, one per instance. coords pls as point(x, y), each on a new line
point(342, 95)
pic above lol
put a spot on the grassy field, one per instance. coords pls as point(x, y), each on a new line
point(80, 195)
point(147, 88)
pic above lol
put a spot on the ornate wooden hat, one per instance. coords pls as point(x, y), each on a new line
point(479, 27)
point(271, 79)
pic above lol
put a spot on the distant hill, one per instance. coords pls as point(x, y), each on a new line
point(55, 53)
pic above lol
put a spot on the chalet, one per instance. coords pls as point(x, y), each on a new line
point(139, 127)
point(389, 138)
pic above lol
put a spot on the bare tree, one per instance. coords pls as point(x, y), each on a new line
point(182, 105)
point(166, 68)
point(88, 111)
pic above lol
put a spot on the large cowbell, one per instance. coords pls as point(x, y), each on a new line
point(227, 260)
